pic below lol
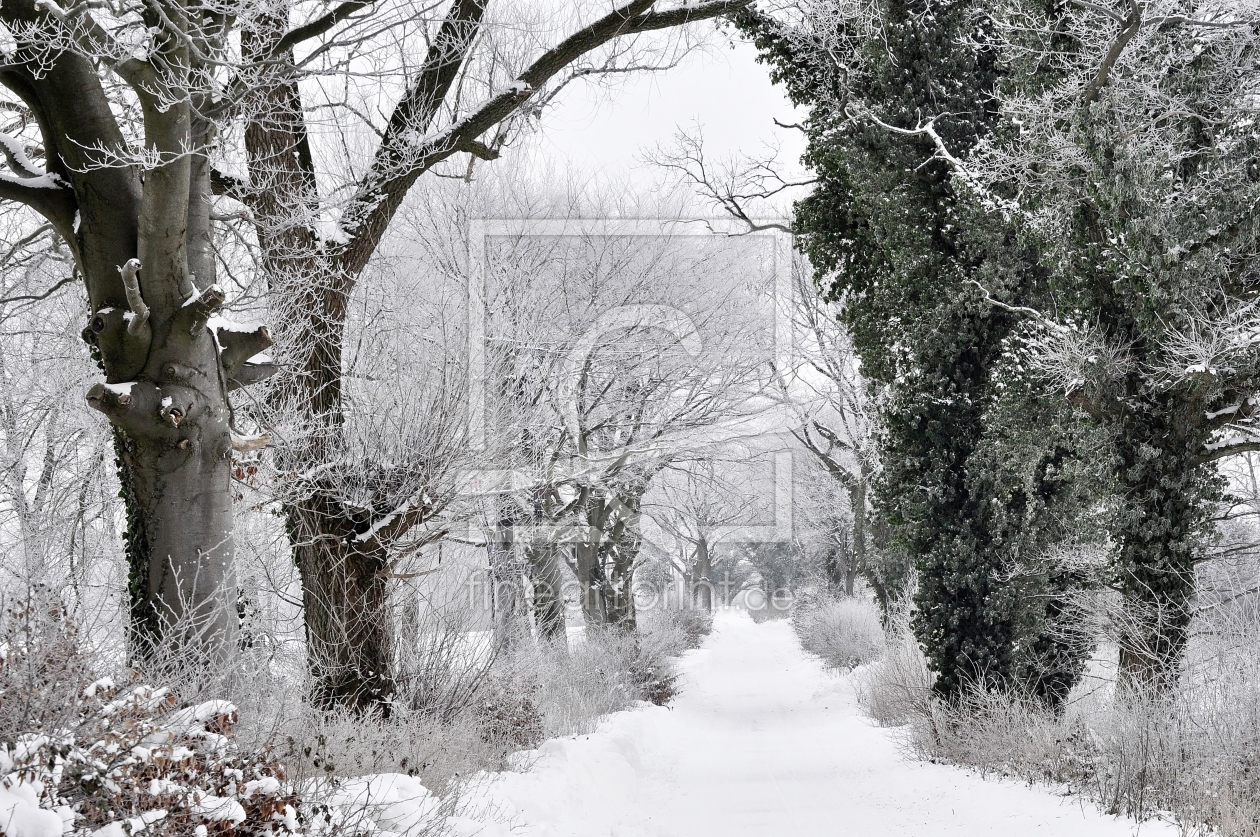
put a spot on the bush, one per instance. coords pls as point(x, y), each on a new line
point(508, 713)
point(132, 757)
point(112, 759)
point(695, 625)
point(843, 632)
point(1192, 753)
point(671, 631)
point(896, 689)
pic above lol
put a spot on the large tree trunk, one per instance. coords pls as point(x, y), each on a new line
point(588, 567)
point(344, 586)
point(177, 488)
point(1158, 542)
point(837, 562)
point(702, 585)
point(141, 243)
point(624, 542)
point(345, 598)
point(548, 582)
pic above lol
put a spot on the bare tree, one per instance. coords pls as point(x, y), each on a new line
point(130, 108)
point(469, 94)
point(836, 421)
point(834, 413)
point(611, 369)
point(701, 510)
point(55, 503)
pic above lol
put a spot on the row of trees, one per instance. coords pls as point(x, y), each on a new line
point(127, 123)
point(1039, 236)
point(1040, 224)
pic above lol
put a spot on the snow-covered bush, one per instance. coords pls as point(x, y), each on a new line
point(896, 689)
point(490, 704)
point(694, 623)
point(114, 756)
point(1192, 753)
point(843, 632)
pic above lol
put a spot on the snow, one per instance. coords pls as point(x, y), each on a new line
point(123, 388)
point(218, 323)
point(30, 175)
point(332, 231)
point(397, 801)
point(44, 181)
point(134, 825)
point(762, 741)
point(217, 808)
point(21, 816)
point(102, 685)
point(265, 785)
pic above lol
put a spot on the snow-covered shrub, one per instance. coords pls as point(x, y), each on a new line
point(447, 663)
point(96, 756)
point(378, 805)
point(1192, 753)
point(896, 689)
point(694, 623)
point(508, 712)
point(843, 632)
point(41, 662)
point(319, 747)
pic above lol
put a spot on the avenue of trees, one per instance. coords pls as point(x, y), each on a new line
point(1040, 224)
point(151, 139)
point(1021, 315)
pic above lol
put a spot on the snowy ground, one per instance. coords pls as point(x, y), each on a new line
point(763, 742)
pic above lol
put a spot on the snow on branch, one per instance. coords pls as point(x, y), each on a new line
point(131, 284)
point(15, 156)
point(240, 351)
point(928, 129)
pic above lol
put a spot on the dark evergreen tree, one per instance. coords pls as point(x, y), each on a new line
point(1135, 167)
point(908, 253)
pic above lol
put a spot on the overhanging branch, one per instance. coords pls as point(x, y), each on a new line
point(400, 159)
point(53, 201)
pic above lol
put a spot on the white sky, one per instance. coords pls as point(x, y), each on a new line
point(723, 90)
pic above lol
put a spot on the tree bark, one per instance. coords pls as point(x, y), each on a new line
point(349, 648)
point(548, 581)
point(857, 502)
point(702, 587)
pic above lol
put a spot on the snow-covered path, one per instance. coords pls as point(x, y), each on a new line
point(763, 742)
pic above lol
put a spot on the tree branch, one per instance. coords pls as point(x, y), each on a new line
point(1102, 10)
point(1228, 450)
point(16, 158)
point(37, 297)
point(400, 159)
point(131, 283)
point(1130, 26)
point(318, 26)
point(228, 185)
point(46, 196)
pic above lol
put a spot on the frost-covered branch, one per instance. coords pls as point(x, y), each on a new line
point(406, 152)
